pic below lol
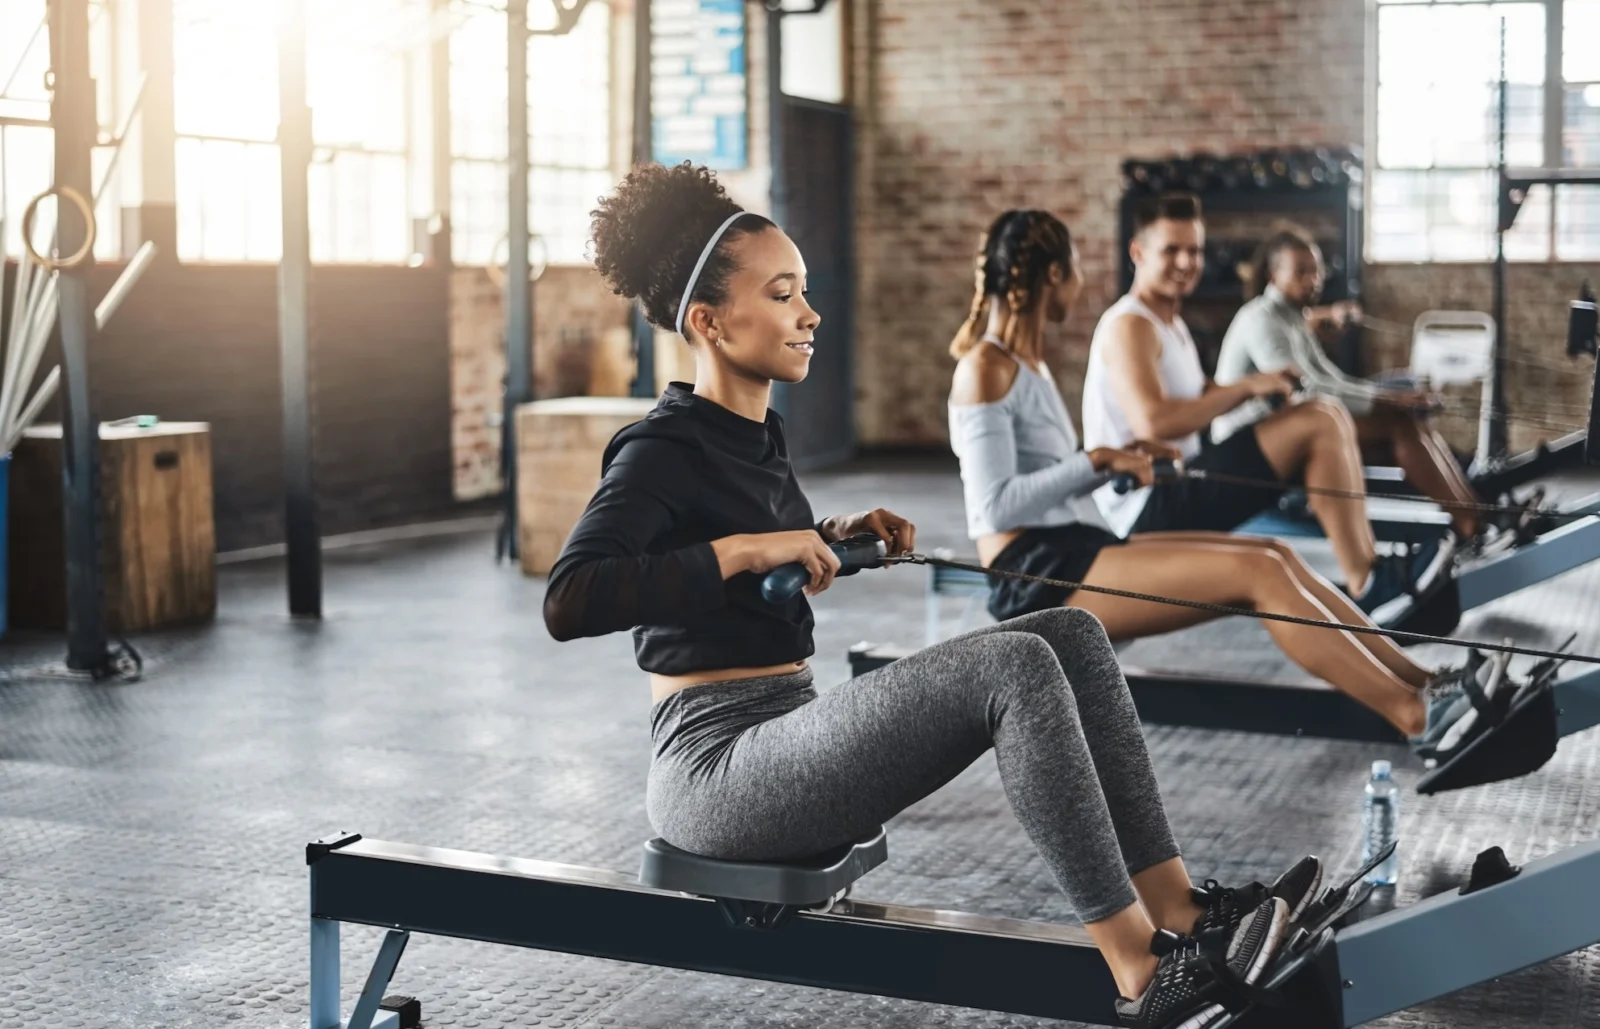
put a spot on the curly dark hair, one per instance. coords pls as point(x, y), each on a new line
point(648, 233)
point(1013, 261)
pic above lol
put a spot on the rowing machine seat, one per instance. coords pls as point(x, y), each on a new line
point(803, 883)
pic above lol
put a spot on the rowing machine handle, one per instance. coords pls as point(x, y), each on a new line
point(1127, 482)
point(1276, 401)
point(854, 553)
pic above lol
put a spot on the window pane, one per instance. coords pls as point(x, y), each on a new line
point(478, 84)
point(23, 42)
point(477, 209)
point(27, 163)
point(1438, 96)
point(357, 97)
point(1580, 135)
point(225, 69)
point(562, 200)
point(569, 93)
point(1580, 51)
point(1438, 112)
point(214, 178)
point(358, 210)
point(1578, 223)
point(1449, 216)
point(813, 55)
point(1399, 216)
point(569, 129)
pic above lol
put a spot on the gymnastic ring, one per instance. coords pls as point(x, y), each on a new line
point(56, 264)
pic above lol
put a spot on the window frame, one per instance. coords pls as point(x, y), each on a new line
point(465, 157)
point(1554, 92)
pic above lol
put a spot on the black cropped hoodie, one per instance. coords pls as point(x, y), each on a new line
point(640, 557)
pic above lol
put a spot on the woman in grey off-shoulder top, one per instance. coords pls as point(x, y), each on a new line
point(1027, 484)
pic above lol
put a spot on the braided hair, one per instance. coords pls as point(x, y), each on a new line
point(1283, 237)
point(1013, 261)
point(648, 234)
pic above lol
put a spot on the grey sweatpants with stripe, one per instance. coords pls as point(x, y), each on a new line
point(768, 769)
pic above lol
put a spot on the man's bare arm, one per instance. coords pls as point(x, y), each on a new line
point(1133, 358)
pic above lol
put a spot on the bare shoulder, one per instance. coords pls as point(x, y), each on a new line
point(1135, 331)
point(1133, 338)
point(983, 376)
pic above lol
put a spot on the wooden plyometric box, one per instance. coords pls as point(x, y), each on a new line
point(559, 446)
point(157, 535)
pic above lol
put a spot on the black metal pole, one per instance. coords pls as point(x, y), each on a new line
point(644, 337)
point(519, 298)
point(294, 319)
point(779, 186)
point(442, 248)
point(72, 116)
point(1497, 441)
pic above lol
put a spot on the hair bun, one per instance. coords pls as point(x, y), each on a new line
point(648, 233)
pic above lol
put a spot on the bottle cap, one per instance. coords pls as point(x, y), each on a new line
point(1381, 769)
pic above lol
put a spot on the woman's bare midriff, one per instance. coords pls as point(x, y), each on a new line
point(989, 546)
point(663, 686)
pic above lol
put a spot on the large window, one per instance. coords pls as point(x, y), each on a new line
point(358, 71)
point(27, 143)
point(1434, 180)
point(371, 175)
point(569, 90)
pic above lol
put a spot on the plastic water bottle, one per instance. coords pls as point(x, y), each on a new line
point(1380, 818)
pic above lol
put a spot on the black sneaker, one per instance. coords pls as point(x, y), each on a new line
point(1192, 979)
point(1298, 887)
point(1223, 907)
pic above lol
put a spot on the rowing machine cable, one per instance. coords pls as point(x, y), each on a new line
point(1398, 635)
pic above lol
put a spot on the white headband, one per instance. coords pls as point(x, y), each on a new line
point(694, 276)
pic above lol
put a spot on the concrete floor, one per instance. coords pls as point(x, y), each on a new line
point(151, 835)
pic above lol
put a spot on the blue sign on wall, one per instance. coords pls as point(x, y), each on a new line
point(698, 82)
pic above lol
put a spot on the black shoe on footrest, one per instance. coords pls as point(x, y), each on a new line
point(1223, 907)
point(1195, 987)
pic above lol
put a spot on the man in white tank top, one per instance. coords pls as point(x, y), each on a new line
point(1145, 381)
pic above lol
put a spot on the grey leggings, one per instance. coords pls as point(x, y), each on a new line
point(768, 769)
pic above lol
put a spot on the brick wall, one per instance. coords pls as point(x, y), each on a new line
point(573, 312)
point(967, 109)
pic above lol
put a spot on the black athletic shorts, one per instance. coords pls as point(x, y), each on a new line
point(1057, 552)
point(1204, 504)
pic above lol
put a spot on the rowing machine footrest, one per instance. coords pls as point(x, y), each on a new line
point(1307, 987)
point(1520, 744)
point(408, 1008)
point(1436, 614)
point(803, 883)
point(1491, 868)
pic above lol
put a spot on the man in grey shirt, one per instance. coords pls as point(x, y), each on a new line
point(1275, 331)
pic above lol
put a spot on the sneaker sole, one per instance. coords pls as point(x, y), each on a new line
point(1269, 950)
point(1307, 897)
point(1202, 1018)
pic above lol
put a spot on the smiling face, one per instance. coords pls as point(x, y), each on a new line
point(764, 330)
point(1168, 256)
